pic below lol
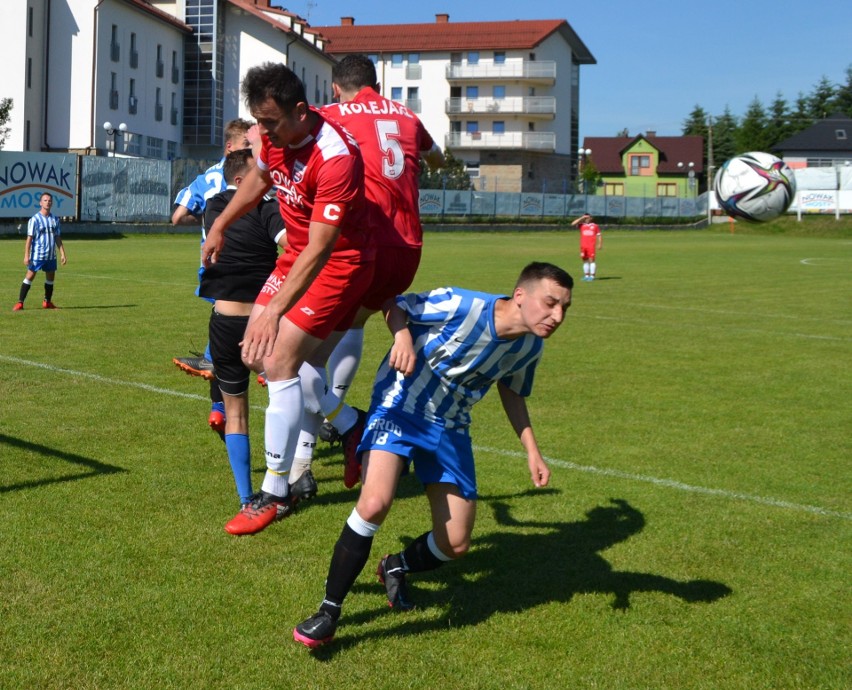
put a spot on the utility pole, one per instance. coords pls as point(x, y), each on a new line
point(709, 168)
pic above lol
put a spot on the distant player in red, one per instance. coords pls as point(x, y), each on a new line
point(590, 242)
point(392, 140)
point(317, 287)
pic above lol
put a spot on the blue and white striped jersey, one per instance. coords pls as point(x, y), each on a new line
point(207, 184)
point(459, 357)
point(44, 230)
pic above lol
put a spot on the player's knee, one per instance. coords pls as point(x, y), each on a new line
point(373, 508)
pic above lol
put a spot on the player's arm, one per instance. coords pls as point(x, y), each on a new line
point(254, 185)
point(63, 258)
point(402, 354)
point(434, 157)
point(28, 245)
point(579, 220)
point(259, 338)
point(515, 407)
point(182, 216)
point(600, 239)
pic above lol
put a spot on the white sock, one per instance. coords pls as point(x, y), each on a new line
point(585, 268)
point(592, 267)
point(344, 361)
point(300, 466)
point(281, 431)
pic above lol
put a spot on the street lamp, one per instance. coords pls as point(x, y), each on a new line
point(583, 155)
point(114, 132)
point(690, 175)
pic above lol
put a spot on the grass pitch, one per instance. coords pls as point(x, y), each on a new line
point(696, 533)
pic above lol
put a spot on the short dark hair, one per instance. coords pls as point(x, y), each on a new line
point(276, 81)
point(235, 163)
point(354, 72)
point(539, 270)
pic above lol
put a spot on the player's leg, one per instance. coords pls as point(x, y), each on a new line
point(25, 288)
point(352, 550)
point(49, 278)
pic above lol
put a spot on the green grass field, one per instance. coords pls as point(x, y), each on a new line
point(695, 409)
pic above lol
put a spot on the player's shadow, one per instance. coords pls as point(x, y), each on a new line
point(99, 306)
point(89, 467)
point(526, 564)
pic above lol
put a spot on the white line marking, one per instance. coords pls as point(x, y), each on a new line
point(564, 464)
point(672, 484)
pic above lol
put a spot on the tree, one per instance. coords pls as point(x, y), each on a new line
point(5, 113)
point(800, 118)
point(778, 124)
point(696, 123)
point(724, 137)
point(590, 177)
point(623, 133)
point(843, 99)
point(752, 135)
point(451, 176)
point(822, 99)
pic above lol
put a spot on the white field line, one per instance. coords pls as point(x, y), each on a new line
point(555, 462)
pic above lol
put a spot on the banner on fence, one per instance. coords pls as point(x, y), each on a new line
point(24, 176)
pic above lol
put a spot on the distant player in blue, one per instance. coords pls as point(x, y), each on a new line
point(190, 204)
point(42, 243)
point(450, 346)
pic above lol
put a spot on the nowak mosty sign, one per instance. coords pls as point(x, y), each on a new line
point(24, 176)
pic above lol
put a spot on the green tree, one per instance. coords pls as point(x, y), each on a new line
point(800, 118)
point(843, 99)
point(696, 123)
point(724, 137)
point(5, 114)
point(589, 177)
point(451, 176)
point(778, 124)
point(821, 102)
point(751, 134)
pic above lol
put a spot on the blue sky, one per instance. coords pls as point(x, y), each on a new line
point(656, 60)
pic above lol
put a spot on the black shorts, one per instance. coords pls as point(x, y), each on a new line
point(226, 333)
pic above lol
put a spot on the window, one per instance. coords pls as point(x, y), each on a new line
point(499, 57)
point(614, 189)
point(316, 89)
point(455, 58)
point(29, 73)
point(174, 110)
point(155, 147)
point(114, 50)
point(499, 93)
point(499, 127)
point(666, 189)
point(158, 105)
point(30, 22)
point(473, 57)
point(412, 102)
point(396, 94)
point(171, 150)
point(133, 143)
point(472, 169)
point(161, 68)
point(175, 70)
point(471, 92)
point(113, 91)
point(639, 164)
point(472, 126)
point(414, 58)
point(396, 60)
point(840, 134)
point(374, 57)
point(132, 103)
point(134, 53)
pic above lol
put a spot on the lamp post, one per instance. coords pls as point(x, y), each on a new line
point(581, 164)
point(691, 175)
point(114, 132)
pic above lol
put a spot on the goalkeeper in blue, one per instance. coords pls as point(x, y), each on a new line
point(449, 347)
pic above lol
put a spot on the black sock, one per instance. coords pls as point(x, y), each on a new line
point(350, 556)
point(25, 288)
point(417, 557)
point(215, 393)
point(48, 291)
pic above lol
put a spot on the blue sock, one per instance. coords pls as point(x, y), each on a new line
point(207, 354)
point(239, 454)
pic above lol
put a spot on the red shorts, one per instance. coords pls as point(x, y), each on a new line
point(395, 271)
point(331, 301)
point(587, 253)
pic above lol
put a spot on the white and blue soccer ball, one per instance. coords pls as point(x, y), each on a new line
point(755, 186)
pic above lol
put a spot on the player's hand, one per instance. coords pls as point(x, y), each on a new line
point(539, 471)
point(402, 356)
point(63, 259)
point(259, 338)
point(26, 263)
point(212, 246)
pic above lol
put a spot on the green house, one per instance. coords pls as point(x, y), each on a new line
point(645, 165)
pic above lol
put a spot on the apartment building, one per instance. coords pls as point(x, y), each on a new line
point(502, 96)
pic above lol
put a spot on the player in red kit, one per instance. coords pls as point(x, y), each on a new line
point(392, 140)
point(590, 242)
point(317, 287)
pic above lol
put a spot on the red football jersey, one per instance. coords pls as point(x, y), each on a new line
point(391, 139)
point(588, 234)
point(321, 179)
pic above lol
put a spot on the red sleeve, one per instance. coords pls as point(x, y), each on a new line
point(339, 183)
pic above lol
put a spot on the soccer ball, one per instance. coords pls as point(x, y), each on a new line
point(755, 186)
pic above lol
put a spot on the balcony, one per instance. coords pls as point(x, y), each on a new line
point(132, 105)
point(134, 58)
point(161, 68)
point(415, 105)
point(158, 112)
point(113, 100)
point(175, 74)
point(114, 52)
point(538, 107)
point(414, 71)
point(527, 71)
point(523, 141)
point(174, 118)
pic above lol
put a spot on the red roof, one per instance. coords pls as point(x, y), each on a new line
point(519, 34)
point(608, 151)
point(262, 11)
point(160, 14)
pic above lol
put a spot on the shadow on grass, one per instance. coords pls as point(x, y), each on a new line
point(95, 468)
point(528, 564)
point(99, 306)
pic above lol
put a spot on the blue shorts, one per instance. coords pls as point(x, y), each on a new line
point(46, 266)
point(439, 454)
